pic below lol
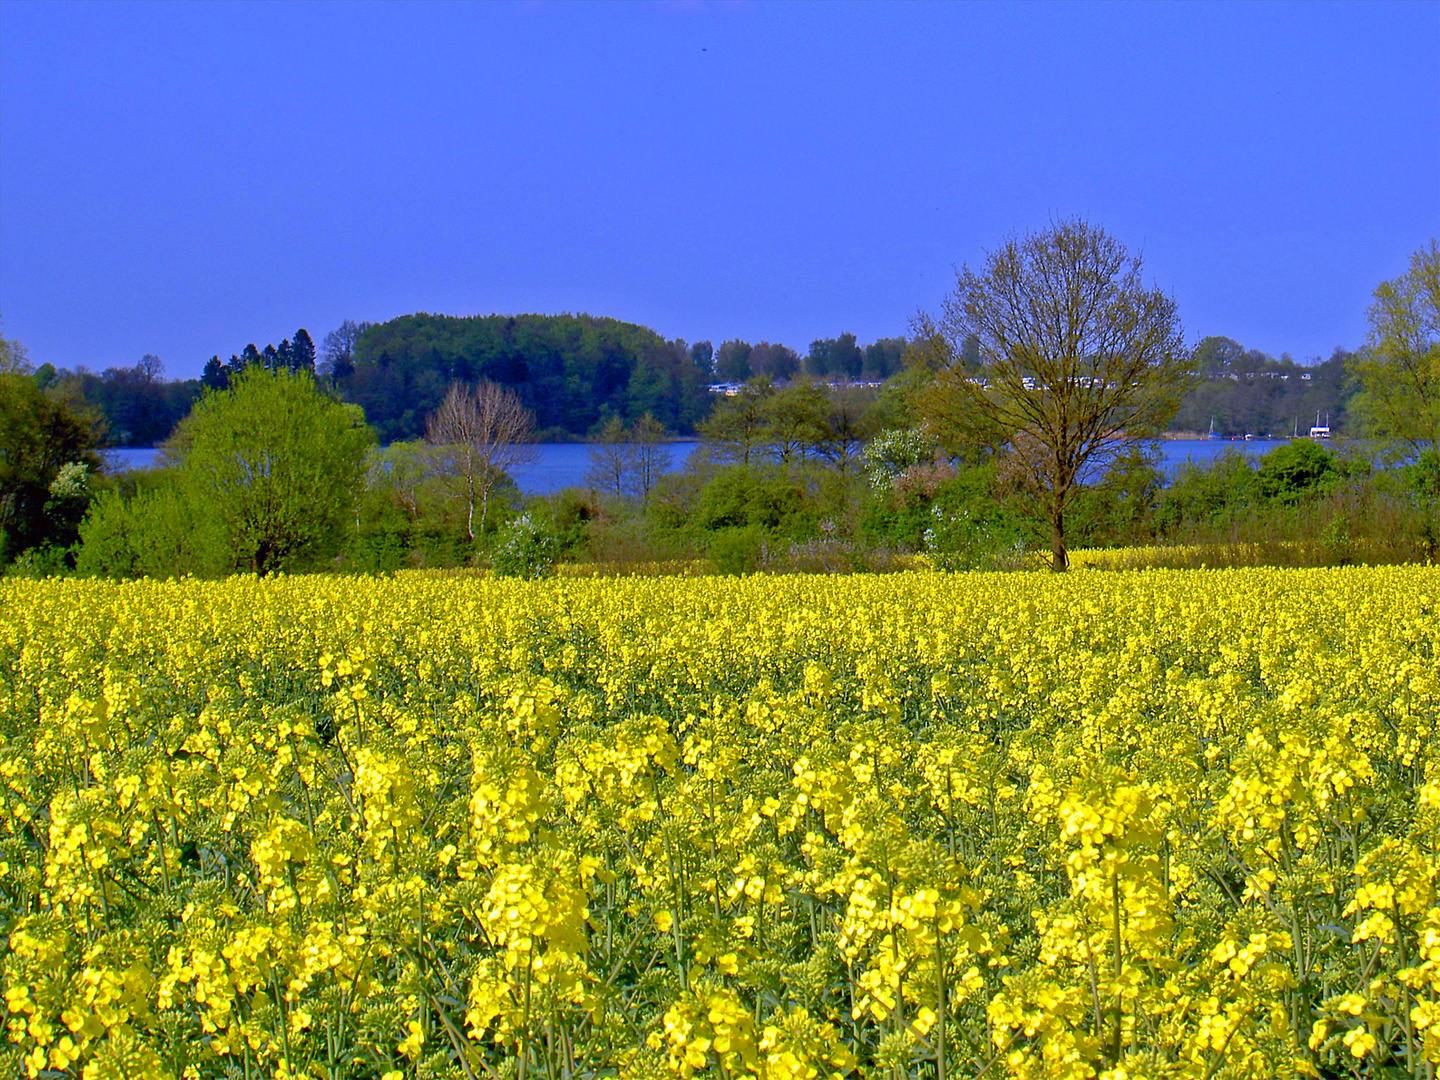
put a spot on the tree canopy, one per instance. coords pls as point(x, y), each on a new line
point(14, 358)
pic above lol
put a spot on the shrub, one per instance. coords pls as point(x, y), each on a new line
point(962, 540)
point(1298, 468)
point(525, 549)
point(156, 532)
point(739, 496)
point(738, 550)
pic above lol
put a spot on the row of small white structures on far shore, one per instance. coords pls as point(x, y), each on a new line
point(730, 389)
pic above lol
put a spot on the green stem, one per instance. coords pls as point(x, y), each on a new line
point(1119, 999)
point(939, 1003)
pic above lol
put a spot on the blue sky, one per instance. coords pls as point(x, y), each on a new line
point(183, 179)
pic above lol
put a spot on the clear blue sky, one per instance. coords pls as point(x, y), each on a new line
point(182, 179)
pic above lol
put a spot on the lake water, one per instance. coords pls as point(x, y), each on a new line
point(561, 465)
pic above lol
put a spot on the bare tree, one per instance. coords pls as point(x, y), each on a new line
point(150, 369)
point(340, 347)
point(652, 456)
point(480, 433)
point(847, 428)
point(1077, 361)
point(611, 459)
point(628, 459)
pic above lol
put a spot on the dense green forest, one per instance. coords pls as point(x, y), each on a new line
point(129, 406)
point(573, 371)
point(577, 372)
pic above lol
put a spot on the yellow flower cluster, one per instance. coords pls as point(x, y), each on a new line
point(1160, 825)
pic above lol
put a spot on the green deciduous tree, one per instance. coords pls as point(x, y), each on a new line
point(795, 421)
point(277, 462)
point(1399, 369)
point(1077, 361)
point(732, 361)
point(835, 357)
point(774, 360)
point(157, 531)
point(702, 355)
point(737, 426)
point(39, 436)
point(14, 358)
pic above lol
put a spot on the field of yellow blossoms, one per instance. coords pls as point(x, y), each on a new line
point(1114, 825)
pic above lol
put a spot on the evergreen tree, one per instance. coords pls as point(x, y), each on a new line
point(216, 375)
point(303, 357)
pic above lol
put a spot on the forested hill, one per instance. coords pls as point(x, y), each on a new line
point(574, 371)
point(1247, 391)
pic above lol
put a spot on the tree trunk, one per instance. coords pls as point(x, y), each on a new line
point(1059, 562)
point(470, 509)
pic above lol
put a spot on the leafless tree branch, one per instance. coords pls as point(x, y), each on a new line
point(480, 433)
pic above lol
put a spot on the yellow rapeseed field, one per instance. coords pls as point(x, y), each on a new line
point(1116, 825)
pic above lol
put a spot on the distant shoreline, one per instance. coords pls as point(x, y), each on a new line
point(1205, 436)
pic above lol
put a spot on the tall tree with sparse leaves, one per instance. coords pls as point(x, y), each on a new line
point(479, 433)
point(1078, 361)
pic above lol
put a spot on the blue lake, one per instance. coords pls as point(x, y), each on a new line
point(560, 465)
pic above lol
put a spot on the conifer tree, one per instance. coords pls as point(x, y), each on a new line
point(303, 355)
